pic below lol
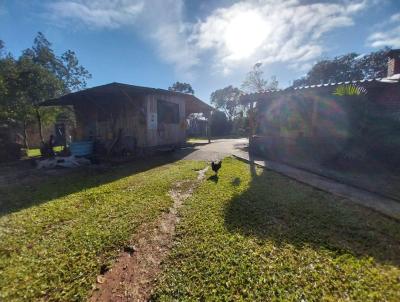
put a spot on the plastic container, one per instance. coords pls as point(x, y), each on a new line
point(81, 148)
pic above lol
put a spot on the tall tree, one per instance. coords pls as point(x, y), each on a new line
point(3, 86)
point(338, 69)
point(15, 109)
point(227, 99)
point(58, 75)
point(35, 85)
point(43, 54)
point(1, 48)
point(255, 81)
point(38, 74)
point(66, 67)
point(181, 87)
point(348, 67)
point(73, 75)
point(374, 65)
point(8, 87)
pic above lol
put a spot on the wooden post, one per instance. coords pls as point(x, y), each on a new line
point(251, 121)
point(208, 129)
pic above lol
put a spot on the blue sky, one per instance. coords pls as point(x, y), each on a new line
point(210, 44)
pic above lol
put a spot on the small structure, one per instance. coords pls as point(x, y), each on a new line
point(393, 73)
point(323, 121)
point(197, 126)
point(131, 118)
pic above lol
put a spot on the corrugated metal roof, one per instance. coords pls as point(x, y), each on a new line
point(253, 96)
point(381, 80)
point(109, 92)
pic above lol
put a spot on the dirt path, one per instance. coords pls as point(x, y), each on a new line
point(133, 274)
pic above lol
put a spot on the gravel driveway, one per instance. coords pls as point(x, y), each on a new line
point(217, 149)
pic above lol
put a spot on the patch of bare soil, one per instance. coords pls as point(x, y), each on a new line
point(135, 270)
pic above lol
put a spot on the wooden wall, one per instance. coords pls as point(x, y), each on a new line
point(103, 122)
point(165, 134)
point(136, 118)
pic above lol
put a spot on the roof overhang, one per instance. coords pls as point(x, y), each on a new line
point(123, 92)
point(195, 105)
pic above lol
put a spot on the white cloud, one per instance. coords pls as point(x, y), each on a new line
point(3, 10)
point(272, 31)
point(159, 21)
point(98, 13)
point(233, 37)
point(395, 18)
point(389, 35)
point(162, 21)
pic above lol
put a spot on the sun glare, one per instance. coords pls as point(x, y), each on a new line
point(245, 32)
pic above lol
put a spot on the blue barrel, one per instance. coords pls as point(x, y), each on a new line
point(81, 148)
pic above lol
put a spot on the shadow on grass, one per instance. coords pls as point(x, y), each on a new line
point(236, 182)
point(368, 174)
point(17, 197)
point(282, 210)
point(213, 178)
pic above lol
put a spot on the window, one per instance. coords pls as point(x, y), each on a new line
point(167, 112)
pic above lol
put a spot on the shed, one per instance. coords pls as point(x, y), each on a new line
point(133, 116)
point(328, 123)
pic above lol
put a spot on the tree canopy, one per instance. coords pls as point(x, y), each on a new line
point(227, 100)
point(181, 87)
point(38, 74)
point(255, 81)
point(348, 67)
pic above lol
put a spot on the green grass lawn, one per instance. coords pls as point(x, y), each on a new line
point(249, 235)
point(56, 236)
point(196, 139)
point(255, 235)
point(203, 138)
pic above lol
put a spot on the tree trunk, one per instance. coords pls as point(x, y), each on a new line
point(26, 144)
point(39, 120)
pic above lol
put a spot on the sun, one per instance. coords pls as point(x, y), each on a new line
point(245, 32)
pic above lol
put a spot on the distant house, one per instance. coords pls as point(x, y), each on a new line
point(132, 117)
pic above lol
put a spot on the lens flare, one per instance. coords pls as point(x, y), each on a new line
point(300, 125)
